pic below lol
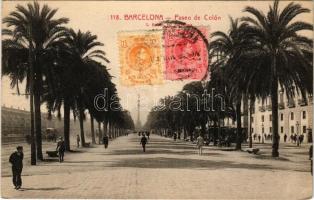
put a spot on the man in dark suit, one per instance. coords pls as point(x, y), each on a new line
point(106, 141)
point(16, 159)
point(61, 149)
point(143, 142)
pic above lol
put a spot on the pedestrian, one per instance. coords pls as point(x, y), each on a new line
point(78, 140)
point(143, 142)
point(311, 157)
point(301, 139)
point(199, 144)
point(61, 149)
point(285, 138)
point(105, 141)
point(174, 136)
point(16, 159)
point(148, 134)
point(298, 140)
point(259, 138)
point(291, 138)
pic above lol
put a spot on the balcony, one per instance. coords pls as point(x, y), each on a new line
point(261, 108)
point(291, 104)
point(268, 107)
point(302, 102)
point(281, 106)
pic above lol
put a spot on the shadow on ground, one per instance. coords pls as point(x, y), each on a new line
point(43, 189)
point(162, 162)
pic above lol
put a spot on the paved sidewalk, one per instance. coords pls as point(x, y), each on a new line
point(168, 169)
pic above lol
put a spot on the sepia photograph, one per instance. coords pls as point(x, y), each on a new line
point(157, 99)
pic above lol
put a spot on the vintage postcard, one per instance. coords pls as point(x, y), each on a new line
point(157, 99)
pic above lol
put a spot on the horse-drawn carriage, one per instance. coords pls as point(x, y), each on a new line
point(51, 134)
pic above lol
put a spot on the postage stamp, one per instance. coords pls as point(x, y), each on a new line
point(186, 55)
point(140, 55)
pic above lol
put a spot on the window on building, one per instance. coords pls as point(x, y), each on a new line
point(281, 129)
point(304, 114)
point(252, 130)
point(262, 129)
point(262, 118)
point(304, 129)
point(292, 116)
point(281, 116)
point(252, 119)
point(270, 117)
point(270, 129)
point(292, 129)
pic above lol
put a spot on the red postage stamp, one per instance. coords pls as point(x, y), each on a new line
point(186, 55)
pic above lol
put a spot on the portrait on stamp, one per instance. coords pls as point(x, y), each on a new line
point(140, 57)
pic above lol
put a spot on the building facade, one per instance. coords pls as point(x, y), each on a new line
point(295, 116)
point(16, 124)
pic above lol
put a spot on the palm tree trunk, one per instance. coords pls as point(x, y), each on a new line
point(274, 101)
point(250, 123)
point(110, 129)
point(38, 122)
point(82, 126)
point(92, 129)
point(100, 133)
point(105, 127)
point(66, 121)
point(239, 125)
point(31, 99)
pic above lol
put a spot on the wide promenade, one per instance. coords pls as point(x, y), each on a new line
point(169, 169)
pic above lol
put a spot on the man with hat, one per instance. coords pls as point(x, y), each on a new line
point(61, 149)
point(16, 159)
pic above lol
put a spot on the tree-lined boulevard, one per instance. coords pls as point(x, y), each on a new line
point(66, 69)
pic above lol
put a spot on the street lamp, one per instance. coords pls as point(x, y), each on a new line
point(262, 133)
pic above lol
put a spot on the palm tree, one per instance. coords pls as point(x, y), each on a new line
point(14, 67)
point(34, 27)
point(277, 52)
point(223, 48)
point(82, 46)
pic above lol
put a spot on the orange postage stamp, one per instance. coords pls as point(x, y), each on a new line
point(140, 58)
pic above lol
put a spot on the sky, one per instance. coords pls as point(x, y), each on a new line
point(95, 16)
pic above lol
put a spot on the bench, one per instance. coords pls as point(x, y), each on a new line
point(87, 144)
point(52, 153)
point(253, 150)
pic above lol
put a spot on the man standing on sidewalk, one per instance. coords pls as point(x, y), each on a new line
point(16, 159)
point(200, 143)
point(78, 141)
point(143, 142)
point(61, 149)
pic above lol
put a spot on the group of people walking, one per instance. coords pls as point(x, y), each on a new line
point(199, 141)
point(294, 138)
point(297, 139)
